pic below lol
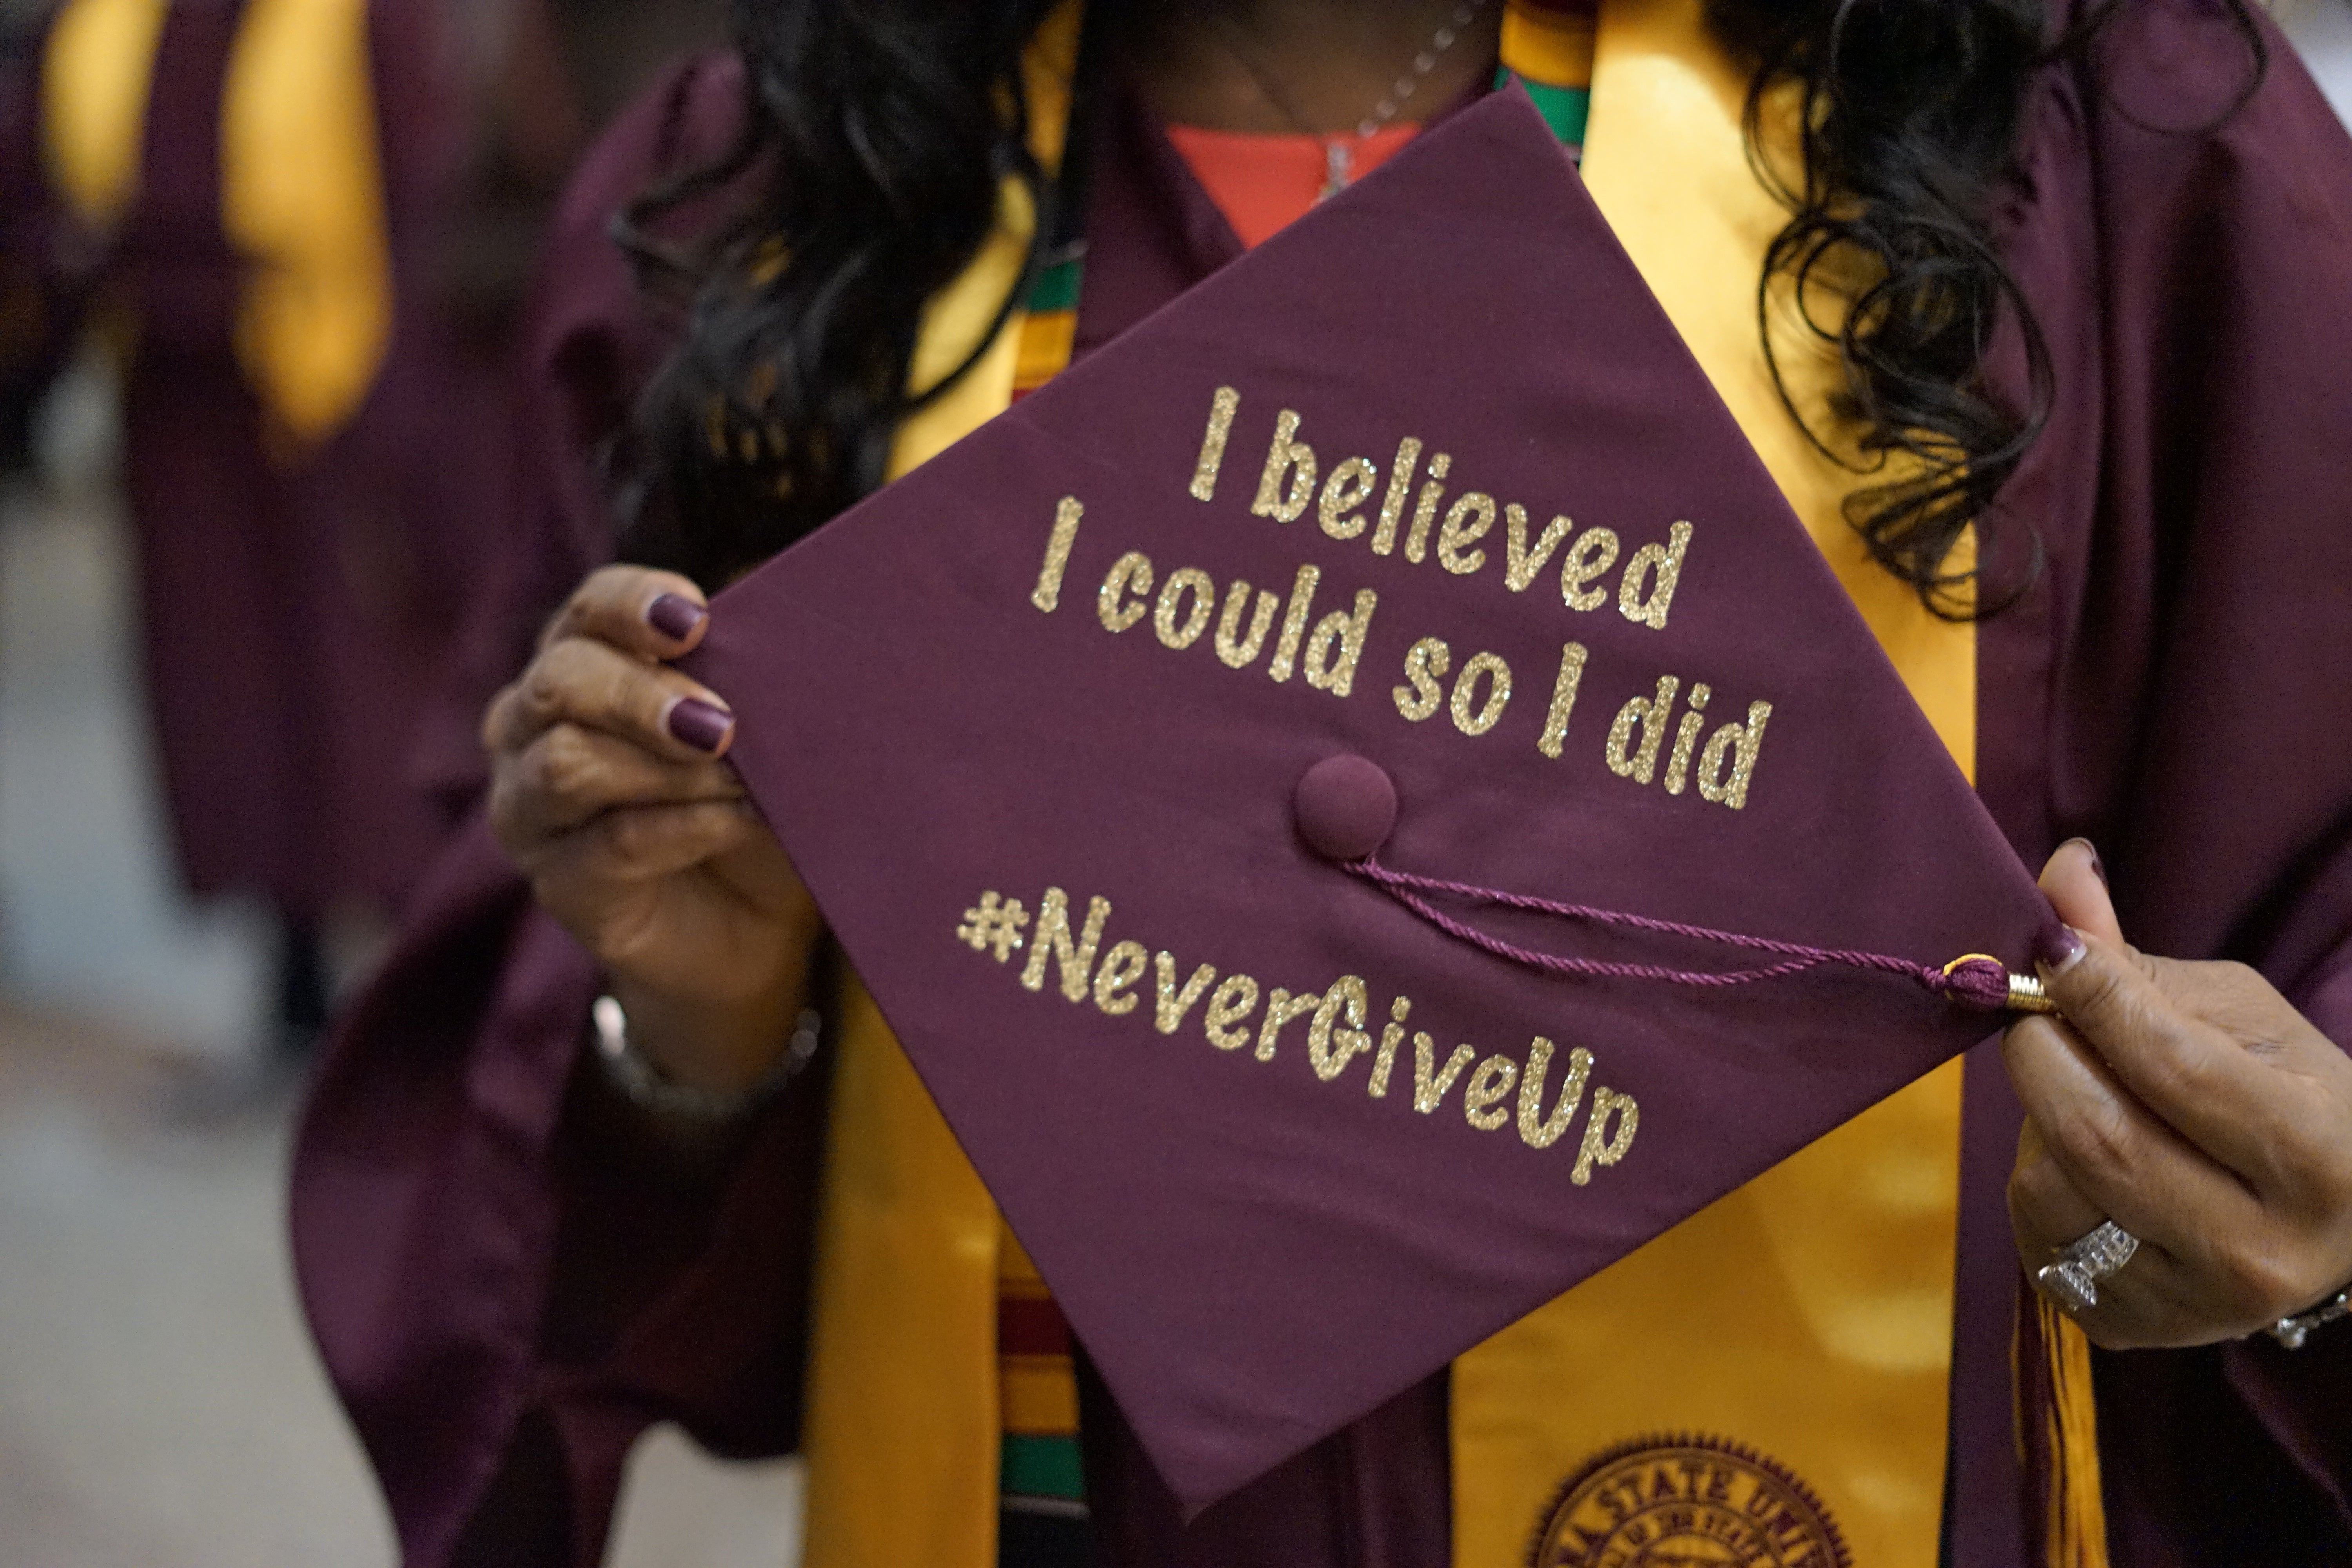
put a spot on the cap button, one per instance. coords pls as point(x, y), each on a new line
point(1345, 806)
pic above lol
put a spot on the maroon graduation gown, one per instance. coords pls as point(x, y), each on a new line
point(506, 1291)
point(300, 613)
point(296, 607)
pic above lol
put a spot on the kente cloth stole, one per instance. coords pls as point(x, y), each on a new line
point(1040, 1475)
point(301, 175)
point(1768, 1382)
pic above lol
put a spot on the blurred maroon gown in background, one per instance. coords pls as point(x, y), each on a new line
point(301, 602)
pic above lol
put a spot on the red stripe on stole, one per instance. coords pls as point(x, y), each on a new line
point(1031, 1326)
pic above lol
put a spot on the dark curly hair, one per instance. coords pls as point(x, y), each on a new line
point(878, 131)
point(875, 138)
point(1907, 112)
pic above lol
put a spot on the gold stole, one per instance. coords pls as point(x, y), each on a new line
point(95, 76)
point(300, 174)
point(1808, 1315)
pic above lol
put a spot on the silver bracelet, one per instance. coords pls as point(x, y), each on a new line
point(2292, 1332)
point(650, 1089)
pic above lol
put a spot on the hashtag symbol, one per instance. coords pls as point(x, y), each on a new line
point(995, 926)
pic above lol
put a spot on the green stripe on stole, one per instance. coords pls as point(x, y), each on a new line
point(1057, 288)
point(1040, 1466)
point(1564, 109)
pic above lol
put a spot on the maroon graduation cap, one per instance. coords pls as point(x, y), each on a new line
point(1293, 784)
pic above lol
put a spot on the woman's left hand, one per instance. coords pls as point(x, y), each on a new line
point(2193, 1106)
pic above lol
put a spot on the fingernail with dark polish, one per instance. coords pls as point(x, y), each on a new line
point(675, 615)
point(2092, 851)
point(699, 724)
point(2057, 946)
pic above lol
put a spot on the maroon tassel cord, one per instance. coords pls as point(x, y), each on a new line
point(1978, 981)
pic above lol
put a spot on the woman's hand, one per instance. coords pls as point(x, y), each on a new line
point(2193, 1106)
point(607, 789)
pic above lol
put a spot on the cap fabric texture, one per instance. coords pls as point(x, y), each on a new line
point(1428, 483)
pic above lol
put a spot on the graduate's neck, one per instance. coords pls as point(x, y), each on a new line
point(1329, 61)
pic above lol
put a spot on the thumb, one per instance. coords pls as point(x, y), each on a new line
point(2077, 890)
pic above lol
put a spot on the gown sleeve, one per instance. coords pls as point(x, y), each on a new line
point(2178, 686)
point(506, 1278)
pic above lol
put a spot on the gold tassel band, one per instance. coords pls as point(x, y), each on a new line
point(2026, 994)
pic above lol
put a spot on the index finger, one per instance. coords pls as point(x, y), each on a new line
point(654, 614)
point(2202, 1082)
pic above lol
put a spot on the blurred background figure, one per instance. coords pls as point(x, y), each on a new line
point(262, 269)
point(300, 232)
point(263, 265)
point(227, 177)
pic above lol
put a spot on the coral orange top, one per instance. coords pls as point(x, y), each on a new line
point(1264, 183)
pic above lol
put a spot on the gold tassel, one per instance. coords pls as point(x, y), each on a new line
point(2058, 1435)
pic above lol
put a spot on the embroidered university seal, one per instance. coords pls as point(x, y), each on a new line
point(1686, 1502)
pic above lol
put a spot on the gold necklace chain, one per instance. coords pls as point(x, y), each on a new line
point(1339, 158)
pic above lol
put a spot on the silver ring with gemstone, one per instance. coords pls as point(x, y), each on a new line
point(2074, 1278)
